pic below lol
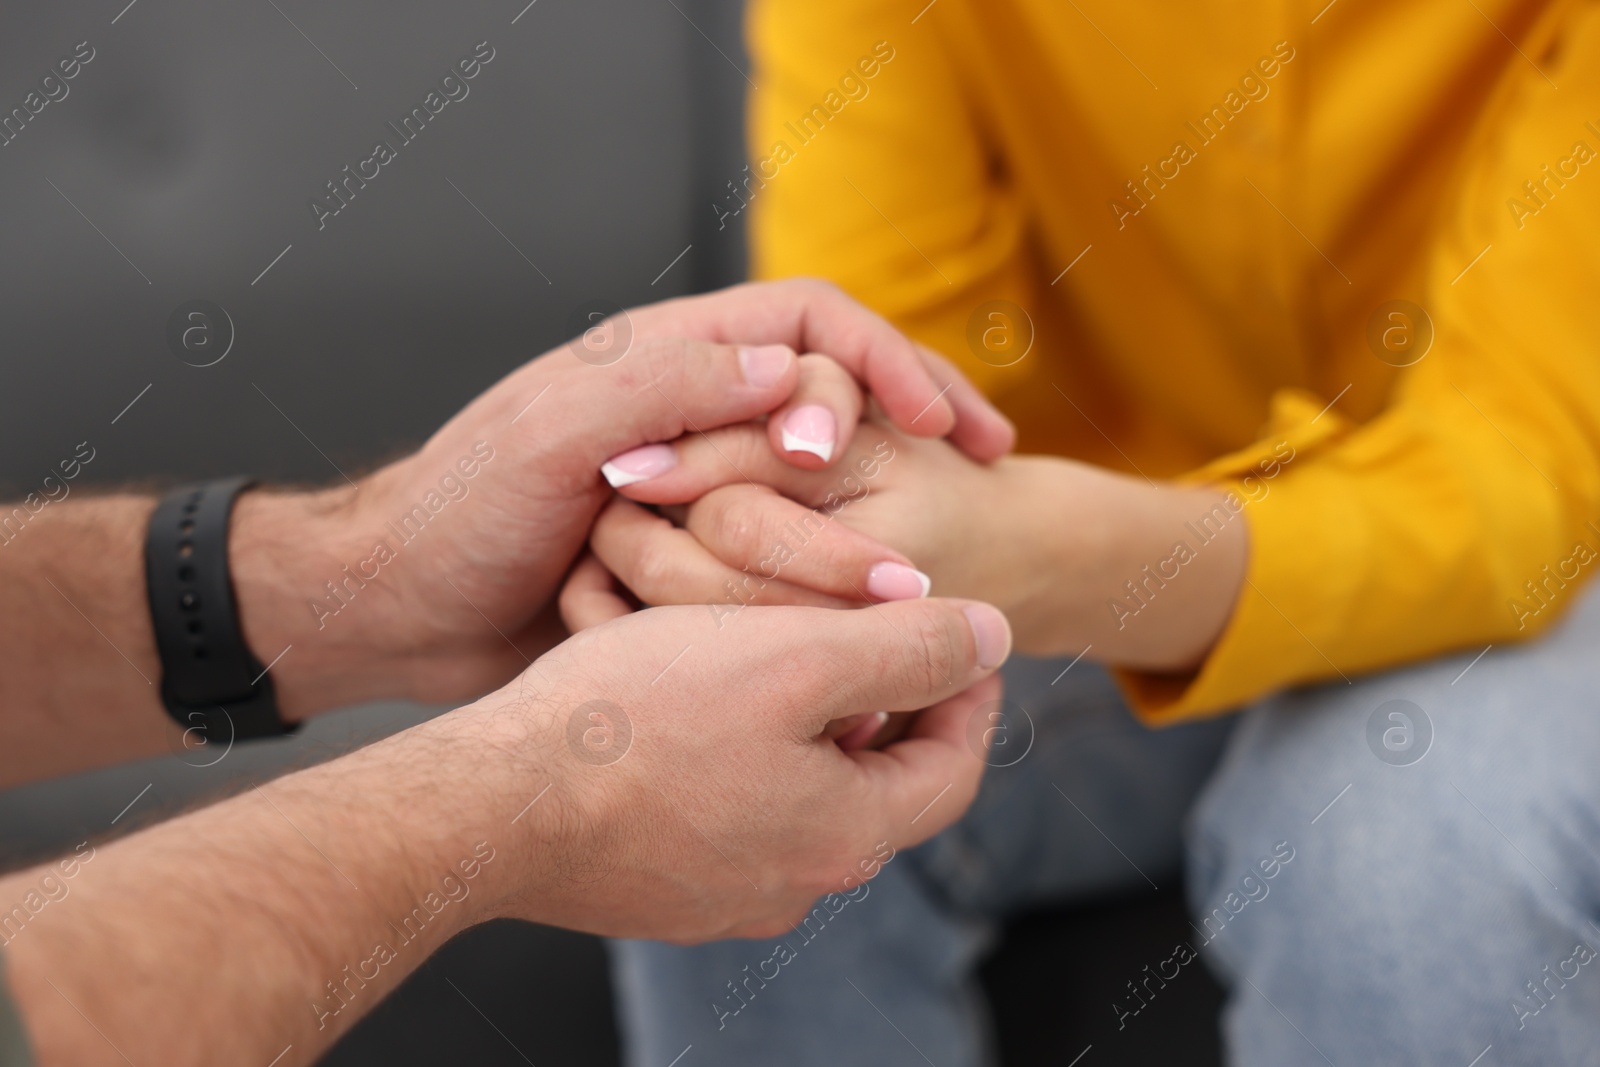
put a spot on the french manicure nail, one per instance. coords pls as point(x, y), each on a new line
point(896, 581)
point(991, 633)
point(810, 428)
point(639, 465)
point(763, 365)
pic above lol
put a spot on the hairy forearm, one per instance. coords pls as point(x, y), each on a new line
point(79, 673)
point(1144, 575)
point(284, 913)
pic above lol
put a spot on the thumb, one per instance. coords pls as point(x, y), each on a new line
point(584, 414)
point(901, 656)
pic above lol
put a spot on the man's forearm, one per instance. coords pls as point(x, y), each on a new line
point(79, 673)
point(283, 914)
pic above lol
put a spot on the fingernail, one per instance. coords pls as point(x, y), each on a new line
point(896, 581)
point(639, 465)
point(991, 632)
point(810, 428)
point(763, 365)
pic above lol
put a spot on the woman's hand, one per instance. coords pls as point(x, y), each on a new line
point(761, 531)
point(1054, 543)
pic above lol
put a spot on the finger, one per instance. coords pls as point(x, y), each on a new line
point(810, 315)
point(662, 564)
point(590, 596)
point(902, 656)
point(817, 422)
point(926, 781)
point(981, 431)
point(731, 455)
point(751, 528)
point(659, 390)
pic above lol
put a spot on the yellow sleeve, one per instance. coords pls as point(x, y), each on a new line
point(1466, 513)
point(866, 157)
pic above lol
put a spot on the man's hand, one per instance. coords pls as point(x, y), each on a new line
point(659, 776)
point(433, 574)
point(438, 570)
point(810, 315)
point(696, 794)
point(432, 578)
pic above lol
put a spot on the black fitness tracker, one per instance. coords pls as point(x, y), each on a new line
point(210, 681)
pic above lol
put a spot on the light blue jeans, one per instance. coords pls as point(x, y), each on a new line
point(1404, 869)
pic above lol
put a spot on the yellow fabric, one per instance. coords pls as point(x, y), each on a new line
point(1218, 312)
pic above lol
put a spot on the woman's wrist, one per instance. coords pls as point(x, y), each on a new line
point(1143, 575)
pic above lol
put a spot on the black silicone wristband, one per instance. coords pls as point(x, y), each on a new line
point(210, 681)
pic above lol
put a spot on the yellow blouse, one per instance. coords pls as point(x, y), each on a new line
point(1190, 239)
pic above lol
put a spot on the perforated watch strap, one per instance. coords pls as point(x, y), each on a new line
point(209, 678)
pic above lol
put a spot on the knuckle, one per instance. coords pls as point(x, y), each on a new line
point(751, 448)
point(740, 524)
point(934, 660)
point(655, 571)
point(838, 551)
point(660, 363)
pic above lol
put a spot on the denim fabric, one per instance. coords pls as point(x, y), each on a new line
point(1404, 868)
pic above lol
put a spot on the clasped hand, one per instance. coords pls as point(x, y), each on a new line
point(731, 725)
